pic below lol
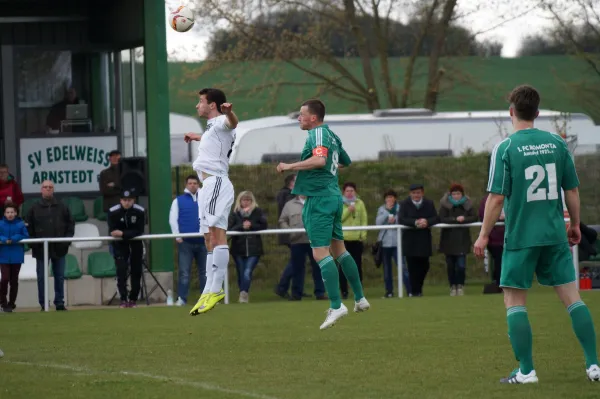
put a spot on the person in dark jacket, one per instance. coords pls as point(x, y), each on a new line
point(50, 218)
point(246, 249)
point(418, 212)
point(587, 245)
point(126, 221)
point(455, 243)
point(110, 182)
point(495, 245)
point(12, 255)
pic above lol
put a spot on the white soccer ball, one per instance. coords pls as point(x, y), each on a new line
point(182, 19)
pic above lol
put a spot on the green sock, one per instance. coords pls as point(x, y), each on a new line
point(519, 332)
point(583, 326)
point(351, 272)
point(331, 278)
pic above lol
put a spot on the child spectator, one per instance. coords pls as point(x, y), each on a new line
point(12, 255)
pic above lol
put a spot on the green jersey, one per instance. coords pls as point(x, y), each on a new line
point(321, 141)
point(529, 168)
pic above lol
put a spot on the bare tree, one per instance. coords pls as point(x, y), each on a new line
point(578, 29)
point(262, 31)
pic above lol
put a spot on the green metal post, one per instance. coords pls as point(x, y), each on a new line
point(97, 93)
point(158, 136)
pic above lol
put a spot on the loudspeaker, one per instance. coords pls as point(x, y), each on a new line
point(133, 173)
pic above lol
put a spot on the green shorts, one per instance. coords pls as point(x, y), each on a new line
point(322, 218)
point(552, 264)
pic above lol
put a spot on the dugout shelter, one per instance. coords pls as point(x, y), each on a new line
point(69, 93)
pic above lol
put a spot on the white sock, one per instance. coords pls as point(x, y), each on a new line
point(209, 273)
point(220, 259)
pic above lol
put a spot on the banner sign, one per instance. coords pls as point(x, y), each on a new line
point(72, 163)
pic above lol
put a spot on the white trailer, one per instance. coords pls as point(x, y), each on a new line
point(404, 132)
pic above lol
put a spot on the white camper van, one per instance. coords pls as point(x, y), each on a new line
point(403, 132)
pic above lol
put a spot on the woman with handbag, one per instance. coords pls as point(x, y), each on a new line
point(386, 247)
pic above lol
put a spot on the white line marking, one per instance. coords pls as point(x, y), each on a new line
point(178, 381)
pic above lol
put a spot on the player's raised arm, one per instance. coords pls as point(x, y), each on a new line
point(314, 162)
point(189, 137)
point(232, 119)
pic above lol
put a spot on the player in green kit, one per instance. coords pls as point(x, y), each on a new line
point(527, 171)
point(317, 179)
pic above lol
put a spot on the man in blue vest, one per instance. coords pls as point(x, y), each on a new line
point(183, 218)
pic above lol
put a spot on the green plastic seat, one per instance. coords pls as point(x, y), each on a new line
point(72, 270)
point(101, 264)
point(99, 209)
point(77, 208)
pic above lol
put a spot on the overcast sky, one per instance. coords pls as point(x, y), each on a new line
point(191, 46)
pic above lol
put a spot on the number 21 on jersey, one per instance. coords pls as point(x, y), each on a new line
point(538, 173)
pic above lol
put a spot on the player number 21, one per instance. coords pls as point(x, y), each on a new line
point(538, 173)
point(335, 158)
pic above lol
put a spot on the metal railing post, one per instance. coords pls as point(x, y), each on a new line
point(575, 249)
point(46, 296)
point(226, 284)
point(400, 263)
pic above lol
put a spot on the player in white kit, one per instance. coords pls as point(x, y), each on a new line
point(216, 197)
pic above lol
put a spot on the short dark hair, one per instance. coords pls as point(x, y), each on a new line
point(315, 107)
point(3, 166)
point(389, 192)
point(11, 205)
point(214, 96)
point(525, 100)
point(114, 152)
point(193, 177)
point(349, 184)
point(456, 187)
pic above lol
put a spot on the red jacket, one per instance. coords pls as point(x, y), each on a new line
point(10, 188)
point(497, 233)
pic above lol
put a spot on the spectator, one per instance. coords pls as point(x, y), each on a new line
point(110, 182)
point(291, 218)
point(354, 214)
point(10, 192)
point(50, 218)
point(58, 112)
point(418, 212)
point(183, 218)
point(587, 247)
point(12, 255)
point(126, 221)
point(388, 213)
point(283, 196)
point(455, 243)
point(495, 247)
point(246, 249)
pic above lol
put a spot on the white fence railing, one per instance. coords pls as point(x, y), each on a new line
point(399, 228)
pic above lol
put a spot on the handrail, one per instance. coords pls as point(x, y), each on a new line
point(399, 228)
point(240, 233)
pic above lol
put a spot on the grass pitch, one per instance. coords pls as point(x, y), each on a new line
point(430, 347)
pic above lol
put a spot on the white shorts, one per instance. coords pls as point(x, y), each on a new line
point(215, 202)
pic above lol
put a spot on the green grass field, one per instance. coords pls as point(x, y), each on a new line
point(430, 347)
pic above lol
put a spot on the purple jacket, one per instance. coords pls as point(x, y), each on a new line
point(497, 234)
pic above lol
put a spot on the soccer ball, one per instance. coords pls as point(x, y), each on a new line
point(182, 19)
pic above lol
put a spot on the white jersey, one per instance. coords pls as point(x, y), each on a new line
point(215, 147)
